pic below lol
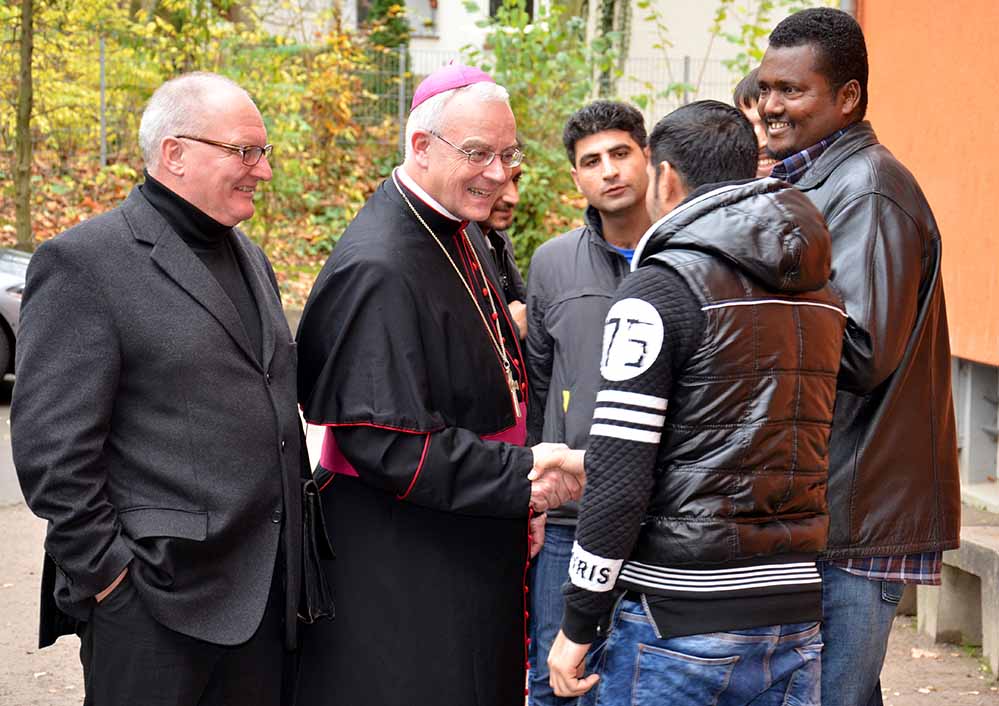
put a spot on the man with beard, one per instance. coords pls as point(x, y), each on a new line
point(894, 495)
point(501, 248)
point(409, 358)
point(571, 284)
point(705, 500)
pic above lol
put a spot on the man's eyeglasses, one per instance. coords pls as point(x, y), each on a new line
point(250, 154)
point(510, 157)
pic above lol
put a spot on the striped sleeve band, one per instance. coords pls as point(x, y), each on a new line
point(636, 417)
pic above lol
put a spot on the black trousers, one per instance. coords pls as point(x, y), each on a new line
point(129, 659)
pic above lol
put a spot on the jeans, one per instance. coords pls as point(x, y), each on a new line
point(768, 666)
point(549, 570)
point(857, 615)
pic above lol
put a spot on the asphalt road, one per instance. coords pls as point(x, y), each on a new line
point(10, 490)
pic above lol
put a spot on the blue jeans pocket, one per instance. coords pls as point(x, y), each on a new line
point(667, 677)
point(803, 686)
point(891, 591)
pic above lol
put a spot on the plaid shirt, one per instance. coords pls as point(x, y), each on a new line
point(794, 167)
point(921, 568)
point(909, 568)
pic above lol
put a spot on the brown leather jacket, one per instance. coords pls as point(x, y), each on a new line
point(893, 476)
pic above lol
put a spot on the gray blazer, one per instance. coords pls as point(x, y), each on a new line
point(147, 432)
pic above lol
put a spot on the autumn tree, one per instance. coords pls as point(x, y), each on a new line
point(22, 169)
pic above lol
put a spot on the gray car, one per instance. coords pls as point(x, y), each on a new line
point(13, 266)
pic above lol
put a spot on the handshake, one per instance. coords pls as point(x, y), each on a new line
point(557, 476)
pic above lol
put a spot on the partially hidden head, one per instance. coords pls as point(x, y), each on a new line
point(813, 79)
point(746, 97)
point(203, 138)
point(501, 217)
point(705, 142)
point(461, 140)
point(605, 142)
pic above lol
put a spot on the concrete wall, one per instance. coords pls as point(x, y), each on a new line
point(933, 103)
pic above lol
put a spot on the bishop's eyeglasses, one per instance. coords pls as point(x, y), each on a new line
point(510, 157)
point(250, 154)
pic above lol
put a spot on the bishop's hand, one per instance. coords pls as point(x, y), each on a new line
point(537, 534)
point(557, 477)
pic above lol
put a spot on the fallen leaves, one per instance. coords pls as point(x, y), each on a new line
point(65, 192)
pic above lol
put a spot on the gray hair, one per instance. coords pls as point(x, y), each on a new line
point(178, 108)
point(429, 115)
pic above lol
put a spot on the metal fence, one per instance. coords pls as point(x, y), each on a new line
point(389, 82)
point(388, 79)
point(392, 77)
point(691, 79)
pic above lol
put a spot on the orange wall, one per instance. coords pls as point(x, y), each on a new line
point(934, 102)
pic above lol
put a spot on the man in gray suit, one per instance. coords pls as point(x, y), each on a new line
point(155, 424)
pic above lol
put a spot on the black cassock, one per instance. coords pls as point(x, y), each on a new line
point(428, 517)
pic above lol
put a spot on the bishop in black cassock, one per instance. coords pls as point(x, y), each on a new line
point(408, 356)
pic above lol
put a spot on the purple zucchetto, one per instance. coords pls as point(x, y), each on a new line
point(447, 78)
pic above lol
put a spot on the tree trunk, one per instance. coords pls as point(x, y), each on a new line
point(22, 140)
point(605, 25)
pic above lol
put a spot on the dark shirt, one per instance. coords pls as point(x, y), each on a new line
point(211, 241)
point(501, 248)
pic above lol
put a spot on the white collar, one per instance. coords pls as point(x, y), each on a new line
point(426, 198)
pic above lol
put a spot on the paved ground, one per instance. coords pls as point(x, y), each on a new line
point(917, 672)
point(10, 491)
point(28, 676)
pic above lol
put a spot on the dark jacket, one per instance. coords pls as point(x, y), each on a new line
point(149, 433)
point(741, 470)
point(501, 248)
point(893, 475)
point(570, 287)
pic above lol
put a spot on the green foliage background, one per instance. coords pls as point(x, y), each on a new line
point(549, 69)
point(309, 87)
